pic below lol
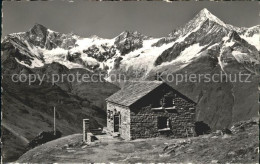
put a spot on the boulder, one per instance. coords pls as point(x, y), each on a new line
point(43, 137)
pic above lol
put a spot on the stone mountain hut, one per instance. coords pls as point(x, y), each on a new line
point(149, 109)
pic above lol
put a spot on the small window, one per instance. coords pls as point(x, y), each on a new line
point(111, 115)
point(108, 114)
point(163, 122)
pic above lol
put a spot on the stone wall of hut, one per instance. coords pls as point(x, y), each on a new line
point(144, 123)
point(124, 124)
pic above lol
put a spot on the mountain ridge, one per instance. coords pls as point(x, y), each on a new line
point(125, 42)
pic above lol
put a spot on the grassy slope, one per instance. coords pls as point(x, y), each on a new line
point(241, 147)
point(28, 109)
point(12, 144)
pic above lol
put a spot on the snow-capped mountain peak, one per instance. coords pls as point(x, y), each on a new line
point(38, 26)
point(206, 14)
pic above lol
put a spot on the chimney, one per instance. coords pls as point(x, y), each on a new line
point(85, 130)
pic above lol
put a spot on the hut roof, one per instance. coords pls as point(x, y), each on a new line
point(133, 92)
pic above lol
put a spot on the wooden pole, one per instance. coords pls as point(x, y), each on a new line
point(84, 133)
point(54, 123)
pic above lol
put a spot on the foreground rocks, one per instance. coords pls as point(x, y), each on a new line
point(44, 137)
point(243, 125)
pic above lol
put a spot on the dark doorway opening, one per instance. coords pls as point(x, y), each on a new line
point(202, 128)
point(116, 123)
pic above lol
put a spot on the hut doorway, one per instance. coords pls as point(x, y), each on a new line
point(116, 123)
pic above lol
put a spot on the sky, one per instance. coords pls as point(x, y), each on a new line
point(109, 19)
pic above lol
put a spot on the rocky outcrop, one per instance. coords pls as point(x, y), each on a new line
point(129, 41)
point(100, 55)
point(42, 37)
point(44, 137)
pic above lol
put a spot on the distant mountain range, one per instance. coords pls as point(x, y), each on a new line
point(40, 46)
point(205, 45)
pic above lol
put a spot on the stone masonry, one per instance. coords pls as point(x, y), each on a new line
point(182, 119)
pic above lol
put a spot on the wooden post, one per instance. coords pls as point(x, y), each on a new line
point(54, 123)
point(84, 133)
